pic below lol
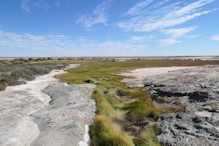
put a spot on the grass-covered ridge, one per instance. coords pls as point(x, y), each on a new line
point(125, 117)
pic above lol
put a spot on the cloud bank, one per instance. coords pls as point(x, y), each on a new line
point(71, 46)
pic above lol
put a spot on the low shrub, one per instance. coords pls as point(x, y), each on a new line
point(22, 73)
point(5, 62)
point(4, 79)
point(8, 80)
point(1, 64)
point(2, 87)
point(40, 70)
point(18, 61)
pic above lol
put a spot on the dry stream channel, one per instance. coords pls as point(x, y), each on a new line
point(46, 112)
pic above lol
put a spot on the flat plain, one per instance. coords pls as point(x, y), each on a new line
point(125, 114)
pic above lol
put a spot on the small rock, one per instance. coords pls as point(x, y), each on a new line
point(197, 120)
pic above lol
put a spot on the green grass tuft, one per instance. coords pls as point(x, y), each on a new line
point(105, 133)
point(138, 110)
point(147, 136)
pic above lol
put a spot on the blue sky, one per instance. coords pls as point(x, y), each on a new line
point(109, 27)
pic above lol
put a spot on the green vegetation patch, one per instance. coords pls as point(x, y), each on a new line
point(105, 133)
point(119, 107)
point(147, 136)
point(138, 110)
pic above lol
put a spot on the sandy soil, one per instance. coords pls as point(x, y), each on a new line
point(140, 74)
point(18, 104)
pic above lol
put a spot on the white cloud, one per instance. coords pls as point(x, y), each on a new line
point(163, 17)
point(54, 42)
point(179, 32)
point(99, 15)
point(147, 18)
point(66, 46)
point(137, 9)
point(138, 38)
point(168, 42)
point(194, 36)
point(215, 38)
point(142, 39)
point(174, 34)
point(27, 5)
point(119, 48)
point(42, 4)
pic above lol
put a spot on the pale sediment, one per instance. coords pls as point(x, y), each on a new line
point(22, 125)
point(139, 74)
point(63, 121)
point(86, 140)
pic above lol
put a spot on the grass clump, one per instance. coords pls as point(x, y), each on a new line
point(103, 106)
point(118, 115)
point(147, 136)
point(105, 133)
point(138, 110)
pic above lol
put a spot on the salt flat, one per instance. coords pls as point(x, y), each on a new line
point(140, 74)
